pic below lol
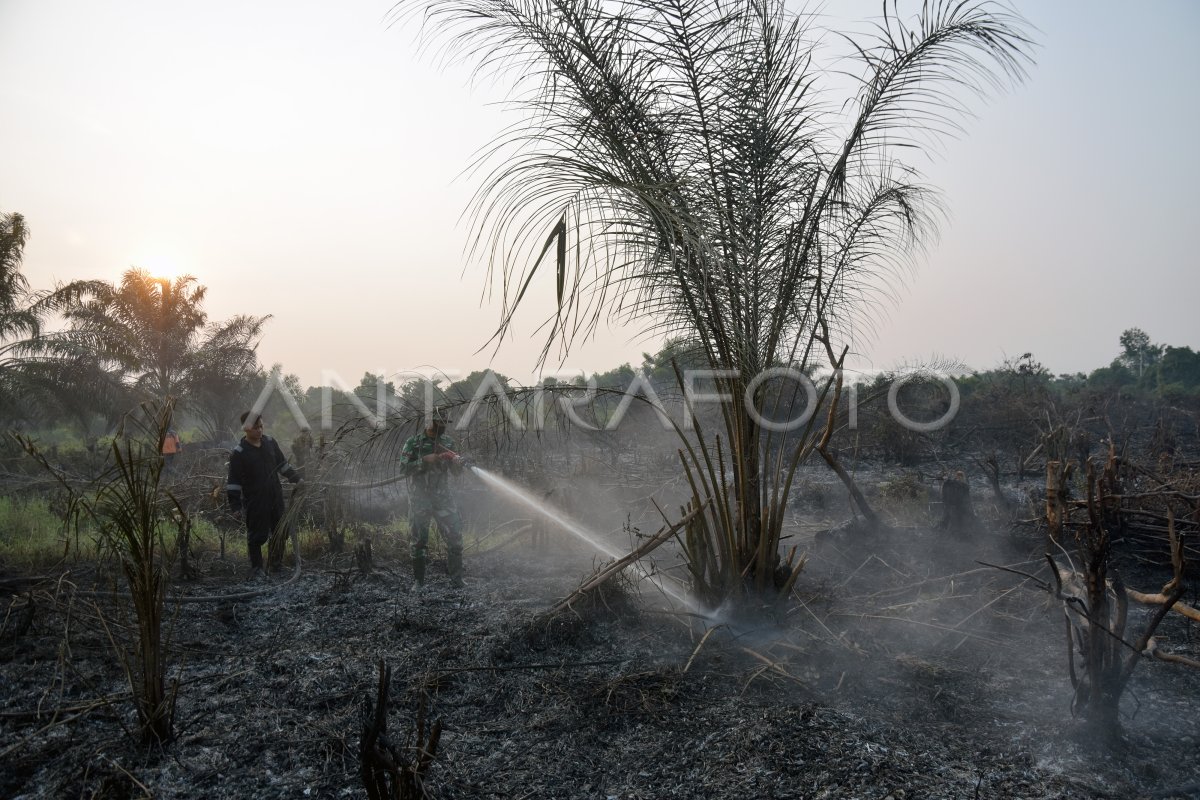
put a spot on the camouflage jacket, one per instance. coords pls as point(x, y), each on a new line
point(428, 478)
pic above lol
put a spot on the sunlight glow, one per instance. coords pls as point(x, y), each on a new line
point(160, 264)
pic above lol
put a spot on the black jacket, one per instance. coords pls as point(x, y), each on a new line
point(254, 476)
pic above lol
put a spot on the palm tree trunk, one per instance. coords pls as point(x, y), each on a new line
point(856, 494)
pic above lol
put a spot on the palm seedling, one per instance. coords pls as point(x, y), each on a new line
point(132, 514)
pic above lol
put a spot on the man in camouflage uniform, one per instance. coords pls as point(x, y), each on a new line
point(427, 461)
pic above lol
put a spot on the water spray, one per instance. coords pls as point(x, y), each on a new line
point(594, 541)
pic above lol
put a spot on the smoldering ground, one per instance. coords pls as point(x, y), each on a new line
point(900, 667)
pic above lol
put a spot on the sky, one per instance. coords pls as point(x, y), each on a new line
point(306, 160)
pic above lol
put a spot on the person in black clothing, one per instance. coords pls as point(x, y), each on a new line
point(254, 491)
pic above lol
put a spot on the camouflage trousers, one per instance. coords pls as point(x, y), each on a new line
point(424, 508)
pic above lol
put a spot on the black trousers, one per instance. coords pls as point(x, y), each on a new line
point(264, 526)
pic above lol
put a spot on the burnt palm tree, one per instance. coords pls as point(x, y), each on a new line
point(695, 175)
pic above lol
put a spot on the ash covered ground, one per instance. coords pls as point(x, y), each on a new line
point(889, 675)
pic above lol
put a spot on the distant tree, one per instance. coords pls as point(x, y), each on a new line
point(41, 374)
point(463, 391)
point(1002, 409)
point(13, 285)
point(1137, 351)
point(678, 351)
point(1027, 368)
point(370, 386)
point(277, 412)
point(154, 335)
point(1111, 377)
point(412, 394)
point(616, 378)
point(221, 391)
point(1179, 366)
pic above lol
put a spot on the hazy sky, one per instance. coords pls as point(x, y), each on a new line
point(303, 160)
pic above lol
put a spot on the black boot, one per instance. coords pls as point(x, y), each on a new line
point(454, 567)
point(256, 560)
point(418, 564)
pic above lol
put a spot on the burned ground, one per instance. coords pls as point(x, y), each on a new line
point(891, 673)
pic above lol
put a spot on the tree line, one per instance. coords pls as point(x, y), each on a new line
point(147, 337)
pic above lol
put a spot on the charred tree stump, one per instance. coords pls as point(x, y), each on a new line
point(386, 773)
point(332, 521)
point(184, 547)
point(363, 556)
point(1110, 508)
point(1097, 612)
point(221, 516)
point(958, 514)
point(378, 758)
point(1058, 475)
point(991, 467)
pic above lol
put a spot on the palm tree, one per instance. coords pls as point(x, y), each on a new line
point(155, 334)
point(13, 286)
point(38, 369)
point(695, 176)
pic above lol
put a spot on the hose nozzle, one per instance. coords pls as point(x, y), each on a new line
point(454, 458)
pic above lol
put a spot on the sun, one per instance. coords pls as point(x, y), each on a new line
point(160, 264)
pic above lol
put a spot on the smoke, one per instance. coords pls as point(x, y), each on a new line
point(668, 586)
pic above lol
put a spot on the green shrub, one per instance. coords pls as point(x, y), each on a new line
point(905, 498)
point(906, 489)
point(31, 534)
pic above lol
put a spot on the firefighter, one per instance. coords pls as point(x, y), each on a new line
point(171, 447)
point(427, 460)
point(255, 494)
